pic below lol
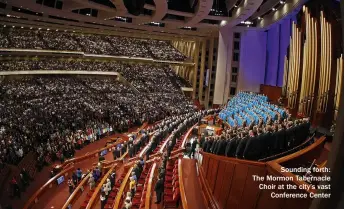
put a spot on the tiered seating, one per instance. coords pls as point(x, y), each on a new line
point(89, 43)
point(111, 198)
point(159, 146)
point(171, 185)
point(179, 142)
point(89, 194)
point(140, 194)
point(29, 163)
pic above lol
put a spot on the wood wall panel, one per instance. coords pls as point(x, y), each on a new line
point(218, 188)
point(205, 164)
point(208, 171)
point(273, 92)
point(213, 175)
point(251, 188)
point(226, 185)
point(237, 186)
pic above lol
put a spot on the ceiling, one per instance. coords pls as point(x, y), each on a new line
point(193, 19)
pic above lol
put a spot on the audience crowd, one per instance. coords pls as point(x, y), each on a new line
point(144, 77)
point(54, 115)
point(88, 43)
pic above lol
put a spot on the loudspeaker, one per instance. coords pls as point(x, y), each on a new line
point(134, 7)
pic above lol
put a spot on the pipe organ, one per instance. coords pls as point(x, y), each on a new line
point(294, 67)
point(313, 69)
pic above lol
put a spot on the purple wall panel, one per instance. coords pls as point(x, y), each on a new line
point(252, 61)
point(272, 55)
point(285, 31)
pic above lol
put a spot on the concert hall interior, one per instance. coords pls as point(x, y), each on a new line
point(188, 104)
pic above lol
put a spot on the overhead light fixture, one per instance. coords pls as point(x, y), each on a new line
point(13, 26)
point(22, 27)
point(274, 9)
point(259, 18)
point(235, 6)
point(4, 26)
point(57, 30)
point(48, 29)
point(39, 28)
point(247, 22)
point(30, 28)
point(282, 2)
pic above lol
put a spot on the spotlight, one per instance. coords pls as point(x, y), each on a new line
point(259, 18)
point(274, 9)
point(282, 2)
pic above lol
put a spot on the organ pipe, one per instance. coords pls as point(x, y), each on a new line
point(293, 67)
point(286, 74)
point(325, 65)
point(307, 94)
point(338, 84)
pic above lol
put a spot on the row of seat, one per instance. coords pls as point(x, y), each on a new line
point(111, 198)
point(171, 185)
point(179, 142)
point(140, 193)
point(90, 193)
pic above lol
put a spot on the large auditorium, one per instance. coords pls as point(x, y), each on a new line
point(185, 104)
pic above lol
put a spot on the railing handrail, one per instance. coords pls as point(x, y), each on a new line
point(122, 188)
point(98, 188)
point(182, 189)
point(149, 187)
point(34, 198)
point(187, 135)
point(303, 151)
point(75, 192)
point(78, 159)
